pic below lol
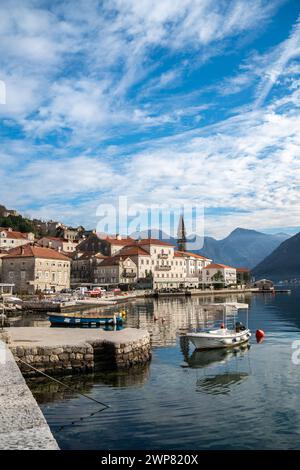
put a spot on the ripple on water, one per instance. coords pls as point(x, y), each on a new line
point(243, 400)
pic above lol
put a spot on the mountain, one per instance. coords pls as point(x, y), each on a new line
point(241, 248)
point(282, 263)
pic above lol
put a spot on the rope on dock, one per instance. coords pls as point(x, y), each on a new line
point(63, 384)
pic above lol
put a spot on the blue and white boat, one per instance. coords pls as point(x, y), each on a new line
point(89, 321)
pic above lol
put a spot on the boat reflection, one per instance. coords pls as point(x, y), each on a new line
point(199, 359)
point(220, 384)
point(219, 367)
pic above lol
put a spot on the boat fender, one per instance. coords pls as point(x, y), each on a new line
point(260, 334)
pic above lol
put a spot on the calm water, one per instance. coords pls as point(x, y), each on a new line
point(248, 399)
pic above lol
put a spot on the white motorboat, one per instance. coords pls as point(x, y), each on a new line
point(225, 336)
point(219, 338)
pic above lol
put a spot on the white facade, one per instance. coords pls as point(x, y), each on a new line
point(116, 270)
point(12, 239)
point(219, 274)
point(153, 259)
point(58, 244)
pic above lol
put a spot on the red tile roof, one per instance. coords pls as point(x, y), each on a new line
point(48, 237)
point(111, 261)
point(189, 254)
point(59, 239)
point(218, 266)
point(153, 241)
point(79, 255)
point(100, 256)
point(34, 251)
point(123, 241)
point(133, 250)
point(14, 234)
point(242, 270)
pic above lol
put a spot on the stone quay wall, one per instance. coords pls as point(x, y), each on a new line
point(57, 360)
point(58, 351)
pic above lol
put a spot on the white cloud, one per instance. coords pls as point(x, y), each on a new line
point(250, 163)
point(107, 48)
point(71, 72)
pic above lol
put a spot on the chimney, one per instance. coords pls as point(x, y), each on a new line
point(22, 250)
point(118, 236)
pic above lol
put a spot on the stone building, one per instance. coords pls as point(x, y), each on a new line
point(10, 238)
point(33, 268)
point(117, 270)
point(154, 260)
point(60, 244)
point(84, 268)
point(194, 264)
point(108, 246)
point(2, 254)
point(219, 274)
point(69, 233)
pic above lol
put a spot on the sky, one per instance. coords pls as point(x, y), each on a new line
point(162, 102)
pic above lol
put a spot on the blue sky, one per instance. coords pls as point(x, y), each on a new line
point(173, 101)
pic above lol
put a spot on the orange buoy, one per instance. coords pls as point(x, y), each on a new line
point(222, 325)
point(260, 334)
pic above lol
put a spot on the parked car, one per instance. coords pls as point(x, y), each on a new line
point(48, 291)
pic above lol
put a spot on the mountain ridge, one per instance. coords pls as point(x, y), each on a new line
point(243, 248)
point(283, 262)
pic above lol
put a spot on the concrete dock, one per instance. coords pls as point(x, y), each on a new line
point(72, 350)
point(22, 424)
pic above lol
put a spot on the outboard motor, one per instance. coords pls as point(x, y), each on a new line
point(239, 327)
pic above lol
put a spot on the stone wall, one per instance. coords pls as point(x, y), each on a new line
point(83, 357)
point(54, 360)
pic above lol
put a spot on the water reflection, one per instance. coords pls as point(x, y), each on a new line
point(46, 390)
point(167, 318)
point(200, 405)
point(200, 359)
point(220, 367)
point(164, 318)
point(220, 384)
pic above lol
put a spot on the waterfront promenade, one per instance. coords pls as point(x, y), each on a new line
point(22, 424)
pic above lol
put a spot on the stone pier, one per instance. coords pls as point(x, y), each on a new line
point(59, 351)
point(22, 424)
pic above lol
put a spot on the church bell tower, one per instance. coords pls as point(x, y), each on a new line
point(181, 240)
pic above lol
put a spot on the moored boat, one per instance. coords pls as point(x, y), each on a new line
point(90, 321)
point(219, 338)
point(223, 336)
